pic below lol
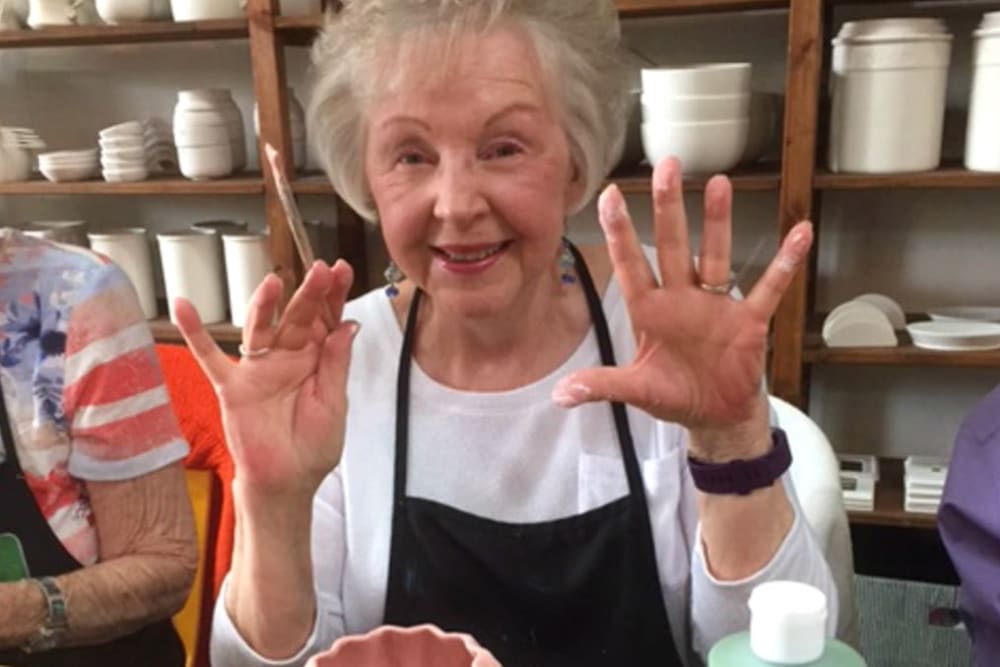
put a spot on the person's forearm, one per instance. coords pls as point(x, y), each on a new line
point(271, 599)
point(741, 534)
point(103, 602)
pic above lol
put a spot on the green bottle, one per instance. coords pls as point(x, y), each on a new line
point(787, 627)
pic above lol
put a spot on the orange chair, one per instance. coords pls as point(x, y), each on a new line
point(194, 621)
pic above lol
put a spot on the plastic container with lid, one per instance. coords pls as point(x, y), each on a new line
point(888, 87)
point(787, 627)
point(982, 140)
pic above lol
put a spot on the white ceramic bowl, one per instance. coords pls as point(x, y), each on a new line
point(680, 108)
point(121, 143)
point(137, 153)
point(67, 173)
point(702, 147)
point(126, 175)
point(122, 165)
point(205, 162)
point(128, 129)
point(702, 79)
point(68, 156)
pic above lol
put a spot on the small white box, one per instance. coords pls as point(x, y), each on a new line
point(859, 465)
point(859, 492)
point(930, 470)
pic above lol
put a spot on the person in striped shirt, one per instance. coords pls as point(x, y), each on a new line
point(97, 544)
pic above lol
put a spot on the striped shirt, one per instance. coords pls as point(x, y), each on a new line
point(81, 381)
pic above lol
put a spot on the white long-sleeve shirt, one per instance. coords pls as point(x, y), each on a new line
point(511, 456)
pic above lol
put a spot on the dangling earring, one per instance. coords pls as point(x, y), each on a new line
point(392, 276)
point(567, 264)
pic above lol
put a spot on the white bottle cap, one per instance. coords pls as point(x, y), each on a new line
point(787, 622)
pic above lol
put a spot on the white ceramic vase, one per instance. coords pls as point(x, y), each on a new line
point(129, 249)
point(191, 269)
point(248, 261)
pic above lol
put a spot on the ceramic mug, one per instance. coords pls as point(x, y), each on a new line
point(43, 13)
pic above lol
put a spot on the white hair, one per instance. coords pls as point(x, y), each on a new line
point(577, 43)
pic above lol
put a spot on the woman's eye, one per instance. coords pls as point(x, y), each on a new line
point(503, 150)
point(411, 159)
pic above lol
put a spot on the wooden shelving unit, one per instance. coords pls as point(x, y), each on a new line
point(817, 353)
point(238, 185)
point(132, 33)
point(889, 494)
point(949, 176)
point(165, 331)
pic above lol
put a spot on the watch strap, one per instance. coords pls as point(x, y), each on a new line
point(56, 625)
point(743, 476)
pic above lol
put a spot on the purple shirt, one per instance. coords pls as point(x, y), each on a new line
point(969, 521)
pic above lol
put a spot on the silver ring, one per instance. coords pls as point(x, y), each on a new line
point(247, 353)
point(723, 289)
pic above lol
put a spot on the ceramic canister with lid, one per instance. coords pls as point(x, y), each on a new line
point(192, 270)
point(129, 249)
point(788, 622)
point(889, 82)
point(982, 141)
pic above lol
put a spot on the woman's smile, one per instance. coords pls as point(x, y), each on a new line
point(468, 259)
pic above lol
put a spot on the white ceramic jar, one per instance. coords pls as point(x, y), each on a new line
point(191, 269)
point(248, 261)
point(71, 232)
point(982, 141)
point(212, 106)
point(203, 10)
point(889, 82)
point(129, 249)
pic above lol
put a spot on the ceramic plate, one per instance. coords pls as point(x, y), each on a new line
point(975, 313)
point(955, 335)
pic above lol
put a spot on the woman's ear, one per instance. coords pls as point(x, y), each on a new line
point(575, 189)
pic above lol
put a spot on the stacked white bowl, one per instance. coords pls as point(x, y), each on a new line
point(123, 152)
point(158, 142)
point(698, 113)
point(65, 166)
point(209, 134)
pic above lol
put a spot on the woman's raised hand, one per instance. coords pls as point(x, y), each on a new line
point(284, 403)
point(700, 353)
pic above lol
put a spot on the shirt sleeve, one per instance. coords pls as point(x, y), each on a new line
point(969, 522)
point(228, 648)
point(117, 408)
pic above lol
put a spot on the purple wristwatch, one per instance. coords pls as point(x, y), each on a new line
point(743, 476)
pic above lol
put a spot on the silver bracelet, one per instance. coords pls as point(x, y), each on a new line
point(56, 625)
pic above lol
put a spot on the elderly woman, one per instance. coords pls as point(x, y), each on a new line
point(460, 448)
point(97, 545)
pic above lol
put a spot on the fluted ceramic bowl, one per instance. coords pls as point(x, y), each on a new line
point(391, 646)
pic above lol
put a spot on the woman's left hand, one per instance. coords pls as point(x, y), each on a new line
point(700, 353)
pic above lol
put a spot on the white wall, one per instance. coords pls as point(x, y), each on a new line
point(924, 248)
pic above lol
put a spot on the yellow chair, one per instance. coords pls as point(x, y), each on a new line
point(192, 622)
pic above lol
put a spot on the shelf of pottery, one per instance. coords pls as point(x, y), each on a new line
point(889, 82)
point(216, 264)
point(206, 141)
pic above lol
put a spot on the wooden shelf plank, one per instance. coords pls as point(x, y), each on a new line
point(817, 353)
point(247, 184)
point(132, 33)
point(759, 178)
point(889, 495)
point(164, 331)
point(637, 8)
point(949, 176)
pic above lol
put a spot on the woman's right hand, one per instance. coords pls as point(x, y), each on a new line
point(284, 408)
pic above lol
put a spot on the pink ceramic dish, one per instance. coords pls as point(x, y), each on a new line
point(419, 646)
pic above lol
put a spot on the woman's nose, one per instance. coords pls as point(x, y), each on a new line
point(458, 196)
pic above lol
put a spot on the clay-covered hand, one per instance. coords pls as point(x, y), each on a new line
point(284, 403)
point(700, 353)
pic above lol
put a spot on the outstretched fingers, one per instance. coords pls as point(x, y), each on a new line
point(212, 360)
point(794, 251)
point(631, 267)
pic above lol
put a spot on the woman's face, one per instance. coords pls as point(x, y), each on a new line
point(470, 170)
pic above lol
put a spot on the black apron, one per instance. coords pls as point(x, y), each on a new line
point(156, 645)
point(582, 590)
